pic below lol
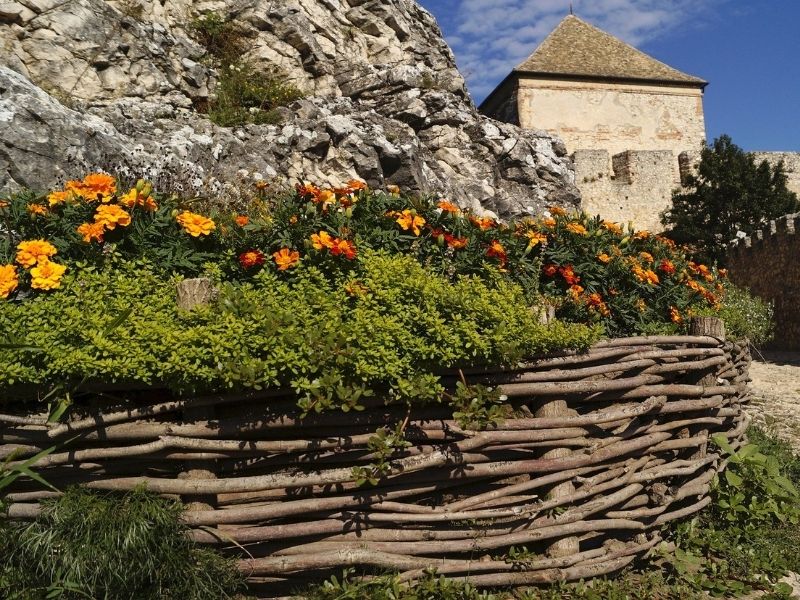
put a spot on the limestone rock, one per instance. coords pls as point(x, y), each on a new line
point(384, 102)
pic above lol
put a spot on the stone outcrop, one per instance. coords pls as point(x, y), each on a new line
point(115, 85)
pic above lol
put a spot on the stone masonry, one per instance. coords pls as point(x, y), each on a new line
point(767, 265)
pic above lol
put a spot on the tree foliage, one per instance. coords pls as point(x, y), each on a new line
point(730, 193)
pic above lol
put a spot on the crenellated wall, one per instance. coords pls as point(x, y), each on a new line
point(630, 186)
point(767, 264)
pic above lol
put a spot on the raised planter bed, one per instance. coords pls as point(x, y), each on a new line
point(605, 448)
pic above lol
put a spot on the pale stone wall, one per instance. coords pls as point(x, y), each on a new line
point(791, 163)
point(614, 116)
point(633, 186)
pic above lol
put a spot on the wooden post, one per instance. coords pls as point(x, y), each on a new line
point(196, 292)
point(714, 327)
point(569, 545)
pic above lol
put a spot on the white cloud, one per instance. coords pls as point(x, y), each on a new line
point(491, 37)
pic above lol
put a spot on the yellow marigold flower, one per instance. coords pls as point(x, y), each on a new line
point(34, 251)
point(577, 228)
point(47, 275)
point(410, 221)
point(92, 231)
point(135, 198)
point(111, 215)
point(534, 238)
point(326, 197)
point(612, 227)
point(8, 280)
point(194, 224)
point(604, 258)
point(641, 305)
point(37, 209)
point(285, 258)
point(321, 240)
point(59, 197)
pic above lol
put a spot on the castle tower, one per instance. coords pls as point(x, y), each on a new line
point(623, 115)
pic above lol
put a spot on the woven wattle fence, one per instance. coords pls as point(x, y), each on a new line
point(607, 447)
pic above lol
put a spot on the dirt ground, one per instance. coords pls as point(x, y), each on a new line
point(776, 393)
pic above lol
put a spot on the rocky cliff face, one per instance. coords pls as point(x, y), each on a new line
point(88, 83)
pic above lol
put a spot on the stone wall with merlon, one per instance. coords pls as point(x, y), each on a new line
point(791, 164)
point(767, 264)
point(631, 186)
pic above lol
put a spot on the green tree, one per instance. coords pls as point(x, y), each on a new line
point(730, 193)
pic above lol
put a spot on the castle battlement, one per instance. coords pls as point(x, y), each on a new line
point(766, 263)
point(635, 185)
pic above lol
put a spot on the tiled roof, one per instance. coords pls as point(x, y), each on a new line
point(579, 49)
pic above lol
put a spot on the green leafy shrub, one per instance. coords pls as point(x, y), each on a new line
point(379, 328)
point(745, 315)
point(120, 547)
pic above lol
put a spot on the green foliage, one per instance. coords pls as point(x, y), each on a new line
point(310, 332)
point(385, 443)
point(745, 315)
point(388, 587)
point(748, 537)
point(478, 406)
point(244, 93)
point(629, 585)
point(730, 193)
point(119, 547)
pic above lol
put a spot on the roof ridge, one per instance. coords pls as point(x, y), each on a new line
point(578, 48)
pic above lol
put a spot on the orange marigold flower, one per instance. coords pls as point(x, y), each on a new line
point(666, 266)
point(3, 203)
point(393, 189)
point(723, 273)
point(550, 270)
point(261, 184)
point(355, 288)
point(326, 198)
point(449, 207)
point(321, 240)
point(252, 258)
point(549, 222)
point(694, 286)
point(194, 224)
point(356, 184)
point(293, 220)
point(641, 235)
point(135, 198)
point(241, 220)
point(111, 215)
point(34, 251)
point(92, 231)
point(483, 223)
point(646, 257)
point(534, 238)
point(675, 315)
point(286, 259)
point(47, 275)
point(497, 251)
point(37, 209)
point(574, 292)
point(577, 228)
point(645, 275)
point(8, 280)
point(97, 186)
point(569, 275)
point(308, 191)
point(612, 227)
point(604, 258)
point(344, 248)
point(557, 210)
point(456, 243)
point(409, 220)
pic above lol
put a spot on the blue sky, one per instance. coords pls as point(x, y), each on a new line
point(749, 51)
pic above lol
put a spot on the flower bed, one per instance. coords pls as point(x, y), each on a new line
point(602, 449)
